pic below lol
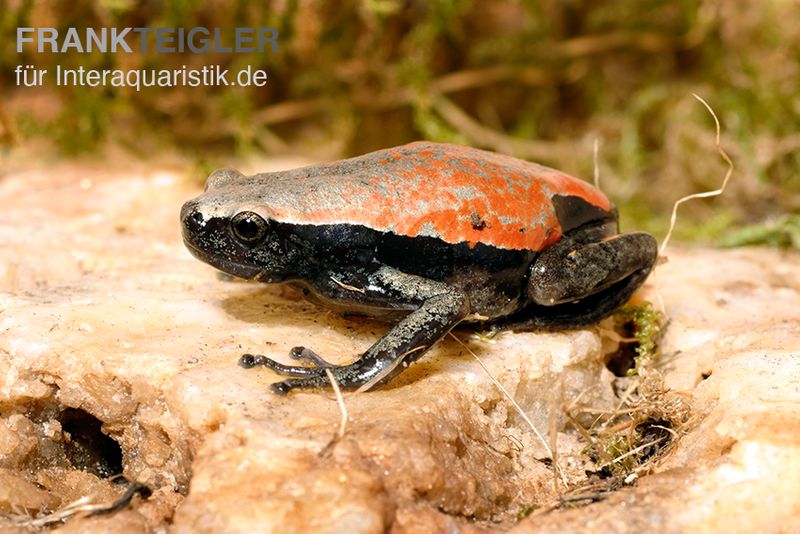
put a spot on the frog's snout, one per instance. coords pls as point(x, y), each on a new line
point(193, 222)
point(191, 217)
point(208, 238)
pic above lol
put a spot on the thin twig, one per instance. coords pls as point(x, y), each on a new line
point(84, 505)
point(552, 417)
point(674, 434)
point(340, 401)
point(586, 496)
point(486, 137)
point(516, 406)
point(589, 409)
point(600, 43)
point(632, 452)
point(588, 437)
point(289, 110)
point(577, 399)
point(347, 286)
point(480, 77)
point(705, 194)
point(596, 162)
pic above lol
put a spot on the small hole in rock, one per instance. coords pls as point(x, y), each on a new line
point(601, 474)
point(88, 448)
point(624, 359)
point(706, 375)
point(656, 432)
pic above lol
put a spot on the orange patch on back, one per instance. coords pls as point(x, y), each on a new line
point(435, 190)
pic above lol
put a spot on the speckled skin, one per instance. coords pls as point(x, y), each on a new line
point(426, 235)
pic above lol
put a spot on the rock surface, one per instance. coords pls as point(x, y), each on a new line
point(105, 316)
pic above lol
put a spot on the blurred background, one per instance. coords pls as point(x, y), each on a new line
point(541, 80)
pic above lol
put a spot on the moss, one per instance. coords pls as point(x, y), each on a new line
point(782, 232)
point(434, 127)
point(617, 447)
point(525, 512)
point(647, 329)
point(562, 73)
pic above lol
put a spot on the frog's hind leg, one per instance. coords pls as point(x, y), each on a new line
point(574, 284)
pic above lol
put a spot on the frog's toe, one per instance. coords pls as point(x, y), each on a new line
point(281, 388)
point(248, 361)
point(284, 387)
point(308, 355)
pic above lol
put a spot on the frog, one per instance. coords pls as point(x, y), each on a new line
point(424, 236)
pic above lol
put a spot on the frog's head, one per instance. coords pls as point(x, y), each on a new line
point(226, 228)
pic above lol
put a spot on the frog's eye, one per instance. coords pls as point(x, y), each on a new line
point(248, 227)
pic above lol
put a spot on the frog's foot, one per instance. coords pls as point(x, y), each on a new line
point(313, 376)
point(308, 355)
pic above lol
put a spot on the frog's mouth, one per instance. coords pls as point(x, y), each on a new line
point(225, 264)
point(207, 238)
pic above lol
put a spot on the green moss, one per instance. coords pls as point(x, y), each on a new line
point(648, 327)
point(85, 124)
point(782, 232)
point(616, 446)
point(434, 128)
point(525, 512)
point(619, 71)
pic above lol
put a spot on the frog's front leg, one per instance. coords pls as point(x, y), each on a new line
point(436, 308)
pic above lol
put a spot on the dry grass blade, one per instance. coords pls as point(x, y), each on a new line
point(596, 162)
point(486, 137)
point(340, 401)
point(596, 496)
point(705, 194)
point(516, 406)
point(289, 110)
point(631, 452)
point(82, 506)
point(388, 370)
point(588, 437)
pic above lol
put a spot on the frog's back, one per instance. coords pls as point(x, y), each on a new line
point(453, 193)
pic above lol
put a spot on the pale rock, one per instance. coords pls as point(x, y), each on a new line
point(103, 310)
